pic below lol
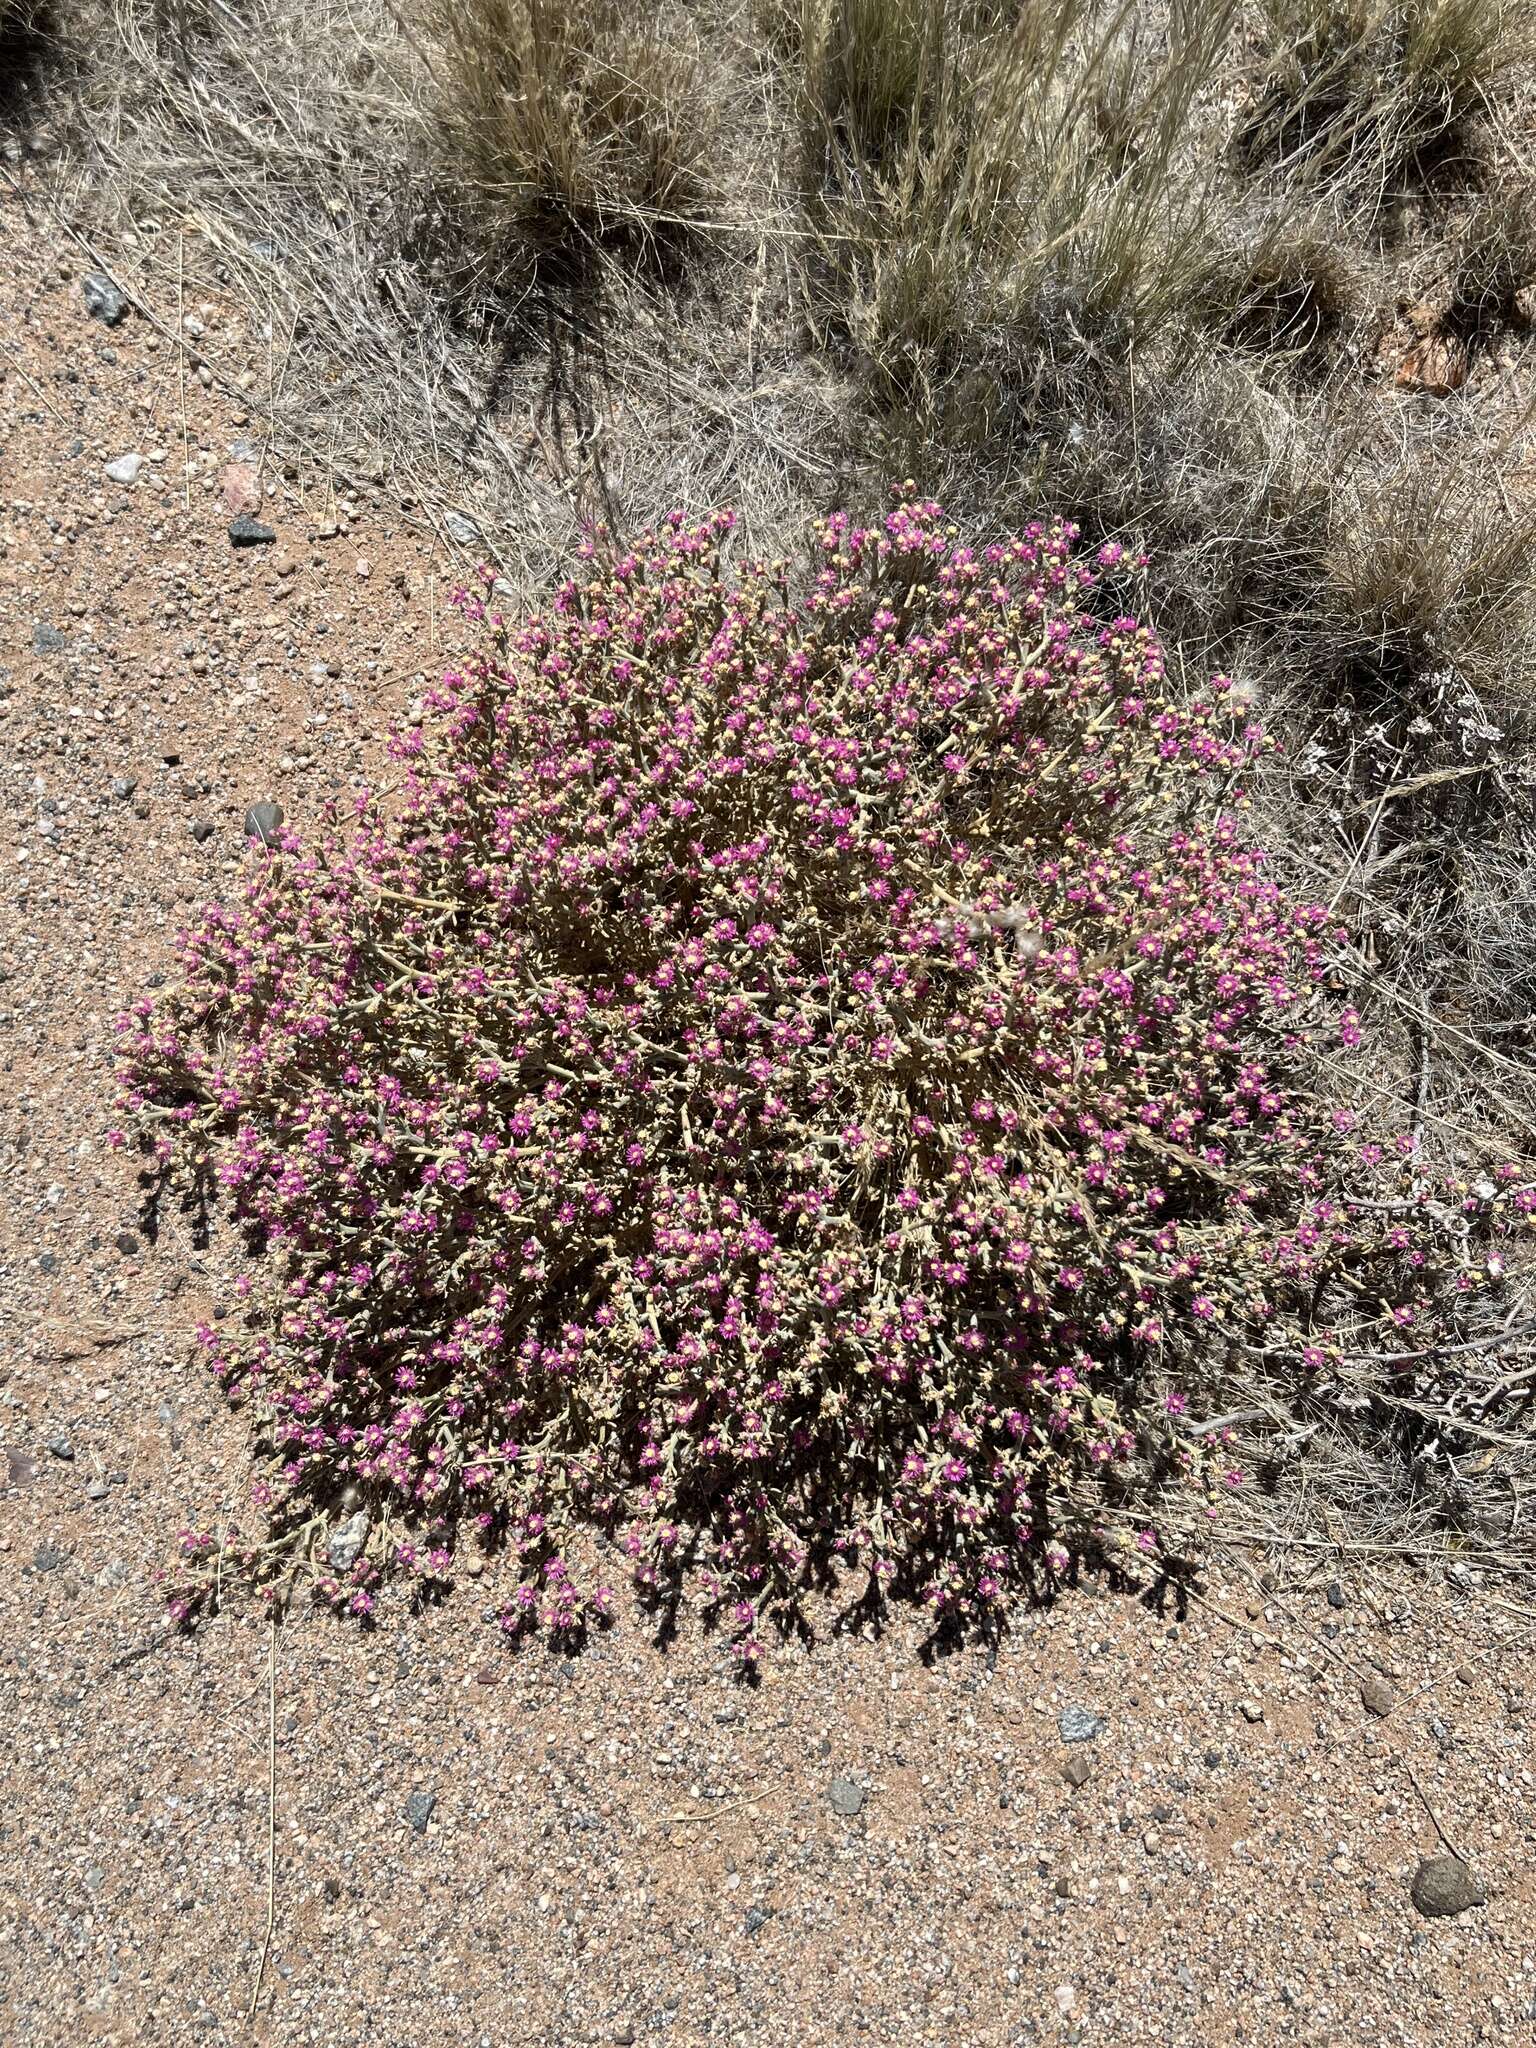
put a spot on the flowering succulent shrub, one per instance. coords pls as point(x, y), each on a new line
point(795, 1080)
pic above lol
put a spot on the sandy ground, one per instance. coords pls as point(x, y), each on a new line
point(474, 1846)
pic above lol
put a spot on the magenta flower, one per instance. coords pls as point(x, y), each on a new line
point(761, 1085)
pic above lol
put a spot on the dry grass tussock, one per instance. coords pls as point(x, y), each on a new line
point(561, 121)
point(1372, 89)
point(1036, 180)
point(1259, 308)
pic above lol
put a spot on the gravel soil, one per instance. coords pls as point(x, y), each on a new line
point(458, 1844)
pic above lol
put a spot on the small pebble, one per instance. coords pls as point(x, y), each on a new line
point(103, 300)
point(846, 1796)
point(246, 532)
point(263, 821)
point(1376, 1696)
point(419, 1809)
point(1444, 1886)
point(1077, 1724)
point(347, 1542)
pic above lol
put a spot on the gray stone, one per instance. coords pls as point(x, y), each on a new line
point(202, 830)
point(1376, 1696)
point(418, 1810)
point(347, 1542)
point(123, 786)
point(246, 532)
point(125, 470)
point(96, 1490)
point(1076, 1770)
point(1078, 1725)
point(1444, 1885)
point(48, 1559)
point(758, 1918)
point(47, 639)
point(61, 1447)
point(461, 529)
point(103, 300)
point(1251, 1710)
point(1335, 1595)
point(847, 1797)
point(263, 822)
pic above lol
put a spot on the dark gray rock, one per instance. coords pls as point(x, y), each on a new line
point(1335, 1595)
point(123, 786)
point(246, 532)
point(61, 1447)
point(103, 300)
point(846, 1796)
point(1444, 1886)
point(47, 639)
point(758, 1918)
point(202, 830)
point(1077, 1770)
point(1078, 1725)
point(419, 1808)
point(48, 1559)
point(263, 822)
